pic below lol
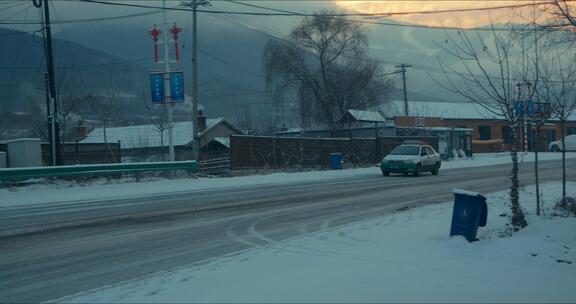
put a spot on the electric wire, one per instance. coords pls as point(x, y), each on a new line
point(7, 19)
point(295, 14)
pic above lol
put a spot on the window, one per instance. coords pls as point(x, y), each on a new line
point(570, 131)
point(423, 151)
point(405, 150)
point(420, 121)
point(484, 133)
point(507, 134)
point(550, 135)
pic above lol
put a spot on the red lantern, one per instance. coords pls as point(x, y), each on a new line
point(175, 30)
point(155, 33)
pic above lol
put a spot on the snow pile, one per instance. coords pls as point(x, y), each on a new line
point(403, 257)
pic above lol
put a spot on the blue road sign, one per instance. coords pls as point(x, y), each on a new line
point(176, 87)
point(157, 87)
point(525, 106)
point(530, 108)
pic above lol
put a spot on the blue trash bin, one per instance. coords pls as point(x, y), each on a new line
point(336, 161)
point(470, 212)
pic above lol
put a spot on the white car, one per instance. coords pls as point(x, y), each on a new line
point(412, 158)
point(556, 146)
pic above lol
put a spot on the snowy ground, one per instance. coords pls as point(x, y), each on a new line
point(63, 191)
point(402, 257)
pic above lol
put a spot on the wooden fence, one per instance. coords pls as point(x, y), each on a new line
point(250, 152)
point(80, 153)
point(85, 154)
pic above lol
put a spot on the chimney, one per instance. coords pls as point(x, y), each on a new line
point(80, 133)
point(201, 121)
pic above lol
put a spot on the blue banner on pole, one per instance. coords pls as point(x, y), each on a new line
point(519, 108)
point(157, 87)
point(177, 87)
point(530, 108)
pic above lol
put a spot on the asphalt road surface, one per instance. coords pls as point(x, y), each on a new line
point(51, 251)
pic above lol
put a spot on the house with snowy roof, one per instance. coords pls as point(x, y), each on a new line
point(490, 132)
point(150, 143)
point(353, 124)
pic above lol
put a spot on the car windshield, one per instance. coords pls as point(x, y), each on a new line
point(406, 150)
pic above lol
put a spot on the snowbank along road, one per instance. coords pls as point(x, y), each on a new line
point(53, 250)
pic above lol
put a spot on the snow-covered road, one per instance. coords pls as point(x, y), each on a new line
point(117, 240)
point(405, 257)
point(102, 190)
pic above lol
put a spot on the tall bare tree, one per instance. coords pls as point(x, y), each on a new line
point(558, 87)
point(325, 60)
point(487, 75)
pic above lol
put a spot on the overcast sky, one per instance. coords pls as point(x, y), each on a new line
point(19, 10)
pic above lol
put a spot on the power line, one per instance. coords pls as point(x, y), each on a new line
point(88, 20)
point(83, 66)
point(227, 63)
point(287, 13)
point(393, 24)
point(18, 12)
point(292, 14)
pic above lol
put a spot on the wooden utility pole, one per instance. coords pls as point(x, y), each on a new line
point(52, 107)
point(194, 4)
point(402, 68)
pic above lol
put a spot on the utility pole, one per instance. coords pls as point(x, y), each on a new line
point(168, 103)
point(194, 4)
point(402, 68)
point(52, 106)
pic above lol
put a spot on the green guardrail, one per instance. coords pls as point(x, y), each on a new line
point(77, 170)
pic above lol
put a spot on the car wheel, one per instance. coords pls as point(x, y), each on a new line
point(555, 148)
point(436, 169)
point(418, 170)
point(385, 173)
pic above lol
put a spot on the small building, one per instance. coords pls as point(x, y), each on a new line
point(148, 143)
point(353, 124)
point(490, 132)
point(362, 123)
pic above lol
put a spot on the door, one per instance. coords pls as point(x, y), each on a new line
point(425, 158)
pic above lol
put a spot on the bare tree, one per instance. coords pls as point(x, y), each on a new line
point(558, 87)
point(67, 91)
point(39, 122)
point(244, 113)
point(487, 76)
point(325, 60)
point(4, 127)
point(158, 117)
point(564, 10)
point(105, 110)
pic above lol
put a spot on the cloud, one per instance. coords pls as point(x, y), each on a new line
point(469, 19)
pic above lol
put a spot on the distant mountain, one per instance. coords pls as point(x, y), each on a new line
point(226, 51)
point(78, 69)
point(81, 69)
